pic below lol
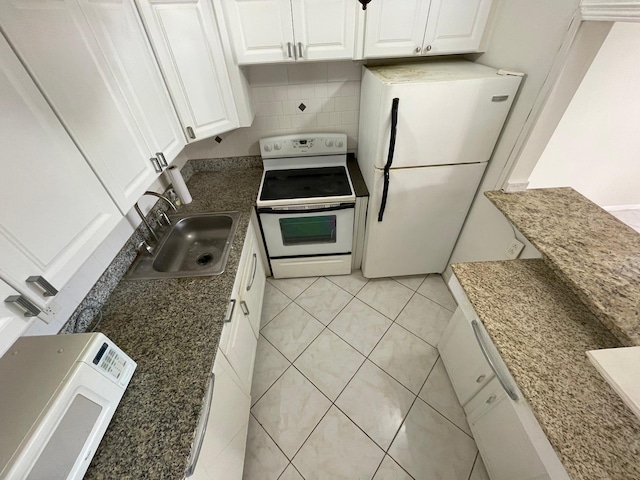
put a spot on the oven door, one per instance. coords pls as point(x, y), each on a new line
point(309, 230)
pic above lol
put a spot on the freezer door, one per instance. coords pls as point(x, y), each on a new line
point(424, 214)
point(444, 123)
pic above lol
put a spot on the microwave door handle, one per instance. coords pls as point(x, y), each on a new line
point(392, 147)
point(198, 436)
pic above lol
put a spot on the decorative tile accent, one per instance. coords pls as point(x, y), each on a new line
point(218, 139)
point(302, 107)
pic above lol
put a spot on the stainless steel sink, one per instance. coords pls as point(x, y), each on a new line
point(195, 245)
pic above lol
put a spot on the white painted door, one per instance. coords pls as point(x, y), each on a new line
point(12, 319)
point(455, 26)
point(462, 357)
point(54, 212)
point(125, 46)
point(186, 39)
point(395, 28)
point(253, 283)
point(424, 213)
point(324, 29)
point(261, 30)
point(504, 443)
point(57, 45)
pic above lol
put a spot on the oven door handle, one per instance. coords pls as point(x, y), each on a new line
point(344, 206)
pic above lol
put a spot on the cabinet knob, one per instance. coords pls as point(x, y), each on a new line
point(491, 399)
point(480, 378)
point(428, 48)
point(418, 49)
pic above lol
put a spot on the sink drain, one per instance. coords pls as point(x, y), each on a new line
point(204, 259)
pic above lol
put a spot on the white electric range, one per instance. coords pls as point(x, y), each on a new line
point(306, 205)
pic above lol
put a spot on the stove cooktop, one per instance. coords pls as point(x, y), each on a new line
point(305, 183)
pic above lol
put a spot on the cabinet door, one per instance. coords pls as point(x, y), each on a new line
point(12, 320)
point(463, 359)
point(222, 454)
point(239, 343)
point(124, 43)
point(455, 26)
point(395, 28)
point(54, 212)
point(186, 39)
point(254, 279)
point(324, 29)
point(56, 43)
point(261, 30)
point(505, 445)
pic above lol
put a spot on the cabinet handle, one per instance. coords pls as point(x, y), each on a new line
point(503, 381)
point(30, 310)
point(480, 378)
point(229, 315)
point(255, 267)
point(289, 53)
point(190, 133)
point(48, 289)
point(156, 164)
point(491, 399)
point(198, 435)
point(163, 161)
point(300, 50)
point(428, 48)
point(245, 308)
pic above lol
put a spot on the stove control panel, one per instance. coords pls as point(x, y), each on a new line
point(307, 144)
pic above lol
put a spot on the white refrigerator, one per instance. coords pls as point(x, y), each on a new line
point(427, 131)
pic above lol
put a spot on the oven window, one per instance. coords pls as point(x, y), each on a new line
point(308, 230)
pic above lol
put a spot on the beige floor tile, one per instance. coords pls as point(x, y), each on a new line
point(269, 365)
point(425, 318)
point(274, 302)
point(352, 283)
point(435, 289)
point(292, 287)
point(390, 470)
point(263, 460)
point(385, 295)
point(292, 331)
point(360, 325)
point(324, 300)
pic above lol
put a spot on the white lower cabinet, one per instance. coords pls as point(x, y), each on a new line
point(511, 442)
point(224, 442)
point(13, 321)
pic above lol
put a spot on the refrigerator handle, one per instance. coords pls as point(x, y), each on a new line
point(392, 146)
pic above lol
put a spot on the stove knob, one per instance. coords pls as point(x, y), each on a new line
point(277, 146)
point(329, 143)
point(339, 143)
point(267, 147)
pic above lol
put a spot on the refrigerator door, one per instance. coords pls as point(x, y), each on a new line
point(424, 213)
point(439, 123)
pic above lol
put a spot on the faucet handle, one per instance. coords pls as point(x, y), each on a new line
point(145, 246)
point(163, 219)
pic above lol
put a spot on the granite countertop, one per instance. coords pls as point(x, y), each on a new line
point(594, 253)
point(171, 328)
point(542, 331)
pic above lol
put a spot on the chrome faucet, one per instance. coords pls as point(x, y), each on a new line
point(151, 230)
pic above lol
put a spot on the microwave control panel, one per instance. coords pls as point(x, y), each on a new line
point(111, 362)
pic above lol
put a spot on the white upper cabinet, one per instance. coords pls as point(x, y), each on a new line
point(424, 27)
point(456, 25)
point(395, 28)
point(268, 31)
point(55, 211)
point(187, 43)
point(92, 62)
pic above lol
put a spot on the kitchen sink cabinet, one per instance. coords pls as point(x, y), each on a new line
point(55, 211)
point(239, 339)
point(424, 27)
point(267, 31)
point(93, 62)
point(188, 46)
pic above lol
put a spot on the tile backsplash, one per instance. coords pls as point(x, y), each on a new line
point(293, 98)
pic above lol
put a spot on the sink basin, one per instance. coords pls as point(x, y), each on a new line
point(195, 245)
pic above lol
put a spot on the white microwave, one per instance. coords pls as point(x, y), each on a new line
point(58, 394)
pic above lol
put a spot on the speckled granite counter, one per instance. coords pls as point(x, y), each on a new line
point(594, 253)
point(171, 329)
point(542, 332)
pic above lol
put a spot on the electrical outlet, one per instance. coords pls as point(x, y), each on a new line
point(514, 249)
point(52, 308)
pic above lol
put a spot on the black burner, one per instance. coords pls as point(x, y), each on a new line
point(305, 183)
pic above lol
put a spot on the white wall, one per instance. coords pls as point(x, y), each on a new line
point(596, 146)
point(329, 91)
point(526, 37)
